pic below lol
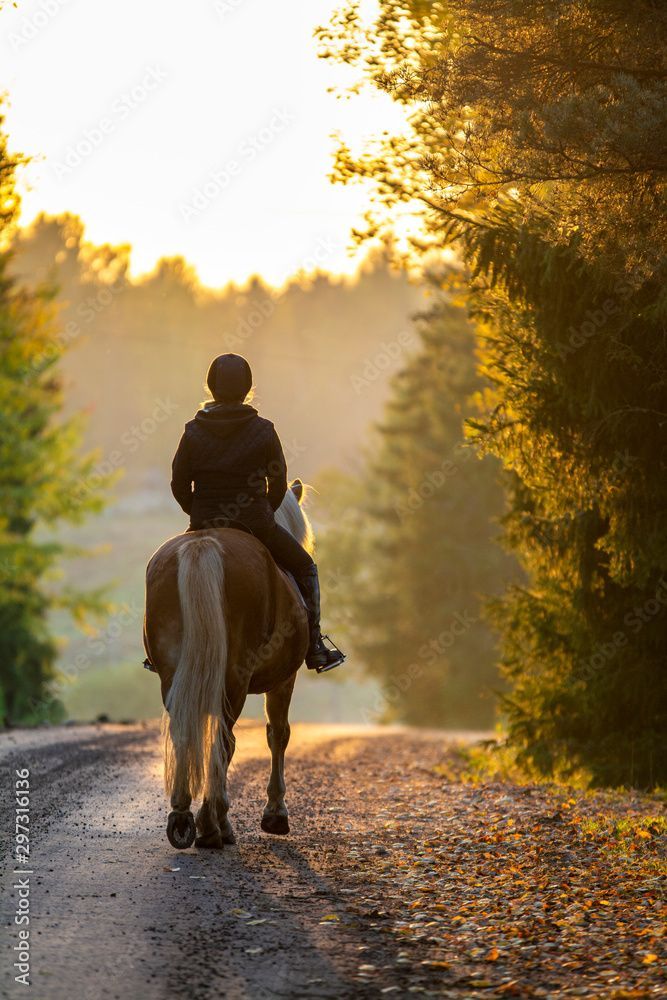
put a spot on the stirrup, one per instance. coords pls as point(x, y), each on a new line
point(330, 648)
point(149, 666)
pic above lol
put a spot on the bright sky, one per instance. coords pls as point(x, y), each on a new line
point(200, 128)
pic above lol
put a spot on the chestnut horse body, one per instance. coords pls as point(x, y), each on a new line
point(222, 621)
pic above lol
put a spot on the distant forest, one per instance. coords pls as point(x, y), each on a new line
point(322, 349)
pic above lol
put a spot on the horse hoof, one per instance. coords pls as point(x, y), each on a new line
point(227, 834)
point(278, 825)
point(213, 840)
point(181, 830)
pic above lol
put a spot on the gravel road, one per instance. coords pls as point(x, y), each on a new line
point(363, 899)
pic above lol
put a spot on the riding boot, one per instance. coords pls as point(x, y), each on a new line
point(318, 656)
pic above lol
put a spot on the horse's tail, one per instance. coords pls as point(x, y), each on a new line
point(195, 731)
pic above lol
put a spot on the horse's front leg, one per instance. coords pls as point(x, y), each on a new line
point(274, 819)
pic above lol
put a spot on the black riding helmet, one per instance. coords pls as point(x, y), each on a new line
point(229, 378)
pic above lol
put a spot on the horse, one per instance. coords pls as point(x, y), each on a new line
point(223, 621)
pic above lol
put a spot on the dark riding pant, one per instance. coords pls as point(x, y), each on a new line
point(285, 549)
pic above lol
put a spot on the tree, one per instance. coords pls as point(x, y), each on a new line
point(559, 105)
point(538, 148)
point(42, 482)
point(412, 543)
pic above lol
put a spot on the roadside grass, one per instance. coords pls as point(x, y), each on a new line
point(125, 692)
point(623, 824)
point(638, 841)
point(487, 760)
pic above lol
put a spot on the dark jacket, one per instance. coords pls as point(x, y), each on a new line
point(229, 466)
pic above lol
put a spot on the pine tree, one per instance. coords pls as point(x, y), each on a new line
point(581, 406)
point(43, 481)
point(415, 543)
point(537, 147)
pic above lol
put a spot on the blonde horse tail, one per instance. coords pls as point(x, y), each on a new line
point(195, 730)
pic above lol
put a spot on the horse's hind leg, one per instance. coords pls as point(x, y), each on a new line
point(208, 830)
point(274, 819)
point(214, 827)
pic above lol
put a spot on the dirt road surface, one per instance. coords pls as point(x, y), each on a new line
point(395, 880)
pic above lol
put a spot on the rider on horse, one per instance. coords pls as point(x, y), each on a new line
point(230, 470)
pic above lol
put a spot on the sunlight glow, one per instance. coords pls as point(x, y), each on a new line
point(201, 130)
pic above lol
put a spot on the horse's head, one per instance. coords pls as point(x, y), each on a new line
point(291, 515)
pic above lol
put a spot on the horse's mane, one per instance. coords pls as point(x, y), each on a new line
point(291, 516)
